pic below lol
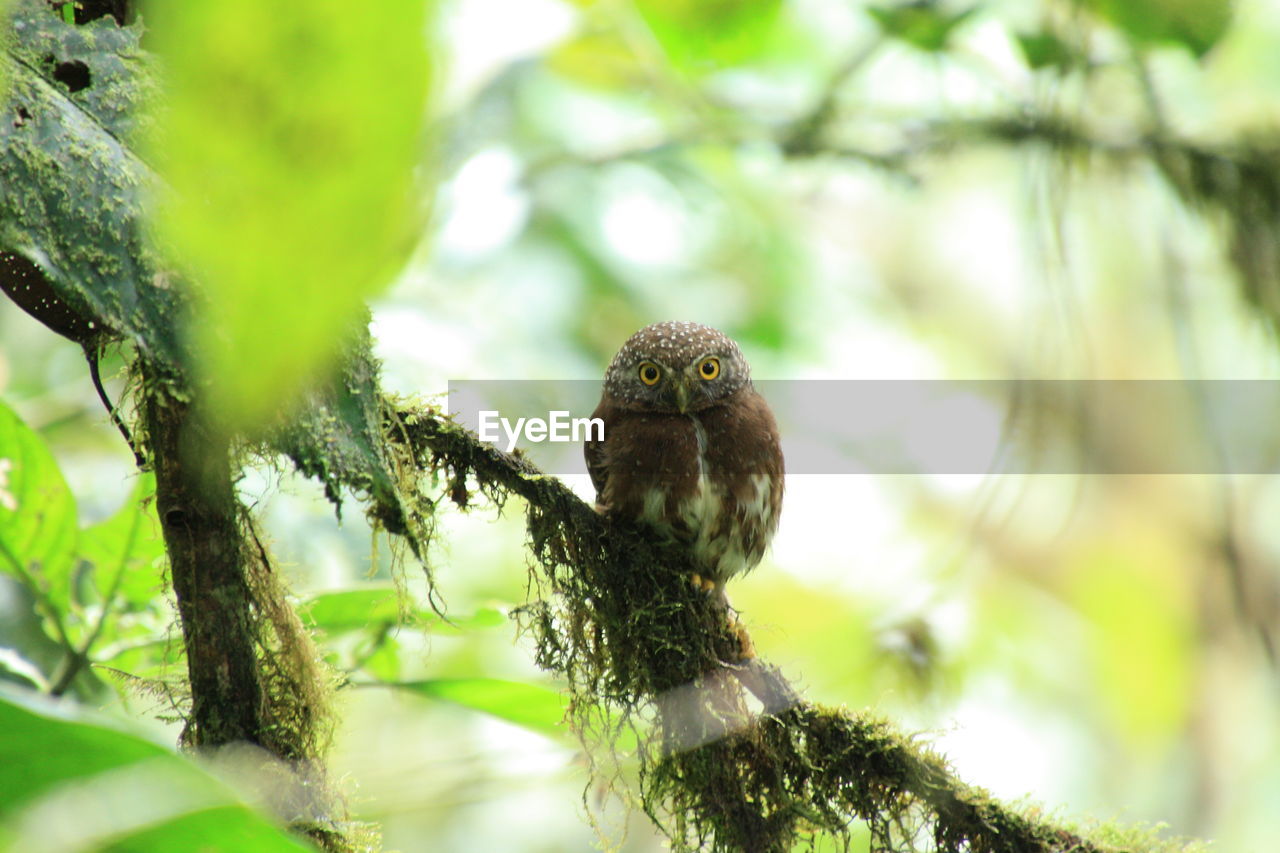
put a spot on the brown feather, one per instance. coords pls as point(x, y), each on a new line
point(710, 475)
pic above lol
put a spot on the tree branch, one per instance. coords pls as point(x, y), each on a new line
point(197, 508)
point(628, 631)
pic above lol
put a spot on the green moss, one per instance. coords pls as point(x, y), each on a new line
point(74, 192)
point(652, 663)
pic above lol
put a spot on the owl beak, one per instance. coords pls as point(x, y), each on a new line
point(684, 386)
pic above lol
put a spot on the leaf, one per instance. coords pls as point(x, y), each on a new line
point(38, 530)
point(222, 829)
point(23, 634)
point(98, 65)
point(313, 123)
point(125, 550)
point(383, 662)
point(1045, 50)
point(355, 609)
point(73, 189)
point(921, 24)
point(43, 745)
point(706, 35)
point(352, 609)
point(74, 197)
point(109, 789)
point(1195, 24)
point(530, 706)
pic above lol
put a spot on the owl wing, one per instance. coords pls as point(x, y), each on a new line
point(594, 451)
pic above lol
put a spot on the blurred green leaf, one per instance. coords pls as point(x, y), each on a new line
point(43, 745)
point(229, 828)
point(921, 24)
point(73, 206)
point(65, 766)
point(148, 654)
point(124, 551)
point(354, 609)
point(294, 196)
point(1195, 24)
point(38, 530)
point(705, 35)
point(530, 706)
point(1045, 50)
point(383, 662)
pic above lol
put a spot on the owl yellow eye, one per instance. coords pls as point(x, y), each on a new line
point(649, 373)
point(709, 369)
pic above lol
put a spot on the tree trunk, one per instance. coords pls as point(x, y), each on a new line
point(198, 513)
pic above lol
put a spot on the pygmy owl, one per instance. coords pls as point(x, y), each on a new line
point(690, 449)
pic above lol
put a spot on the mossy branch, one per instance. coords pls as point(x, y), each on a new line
point(617, 617)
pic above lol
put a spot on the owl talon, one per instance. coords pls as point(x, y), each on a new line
point(746, 649)
point(702, 584)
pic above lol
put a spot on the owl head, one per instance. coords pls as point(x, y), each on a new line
point(676, 367)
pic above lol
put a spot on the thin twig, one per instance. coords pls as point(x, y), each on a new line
point(92, 354)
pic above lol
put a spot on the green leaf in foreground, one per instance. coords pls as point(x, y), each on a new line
point(43, 745)
point(109, 789)
point(229, 828)
point(315, 205)
point(38, 528)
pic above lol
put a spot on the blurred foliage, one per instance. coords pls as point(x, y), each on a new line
point(1195, 24)
point(703, 36)
point(77, 221)
point(95, 587)
point(922, 25)
point(68, 778)
point(290, 192)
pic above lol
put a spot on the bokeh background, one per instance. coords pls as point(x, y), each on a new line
point(822, 179)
